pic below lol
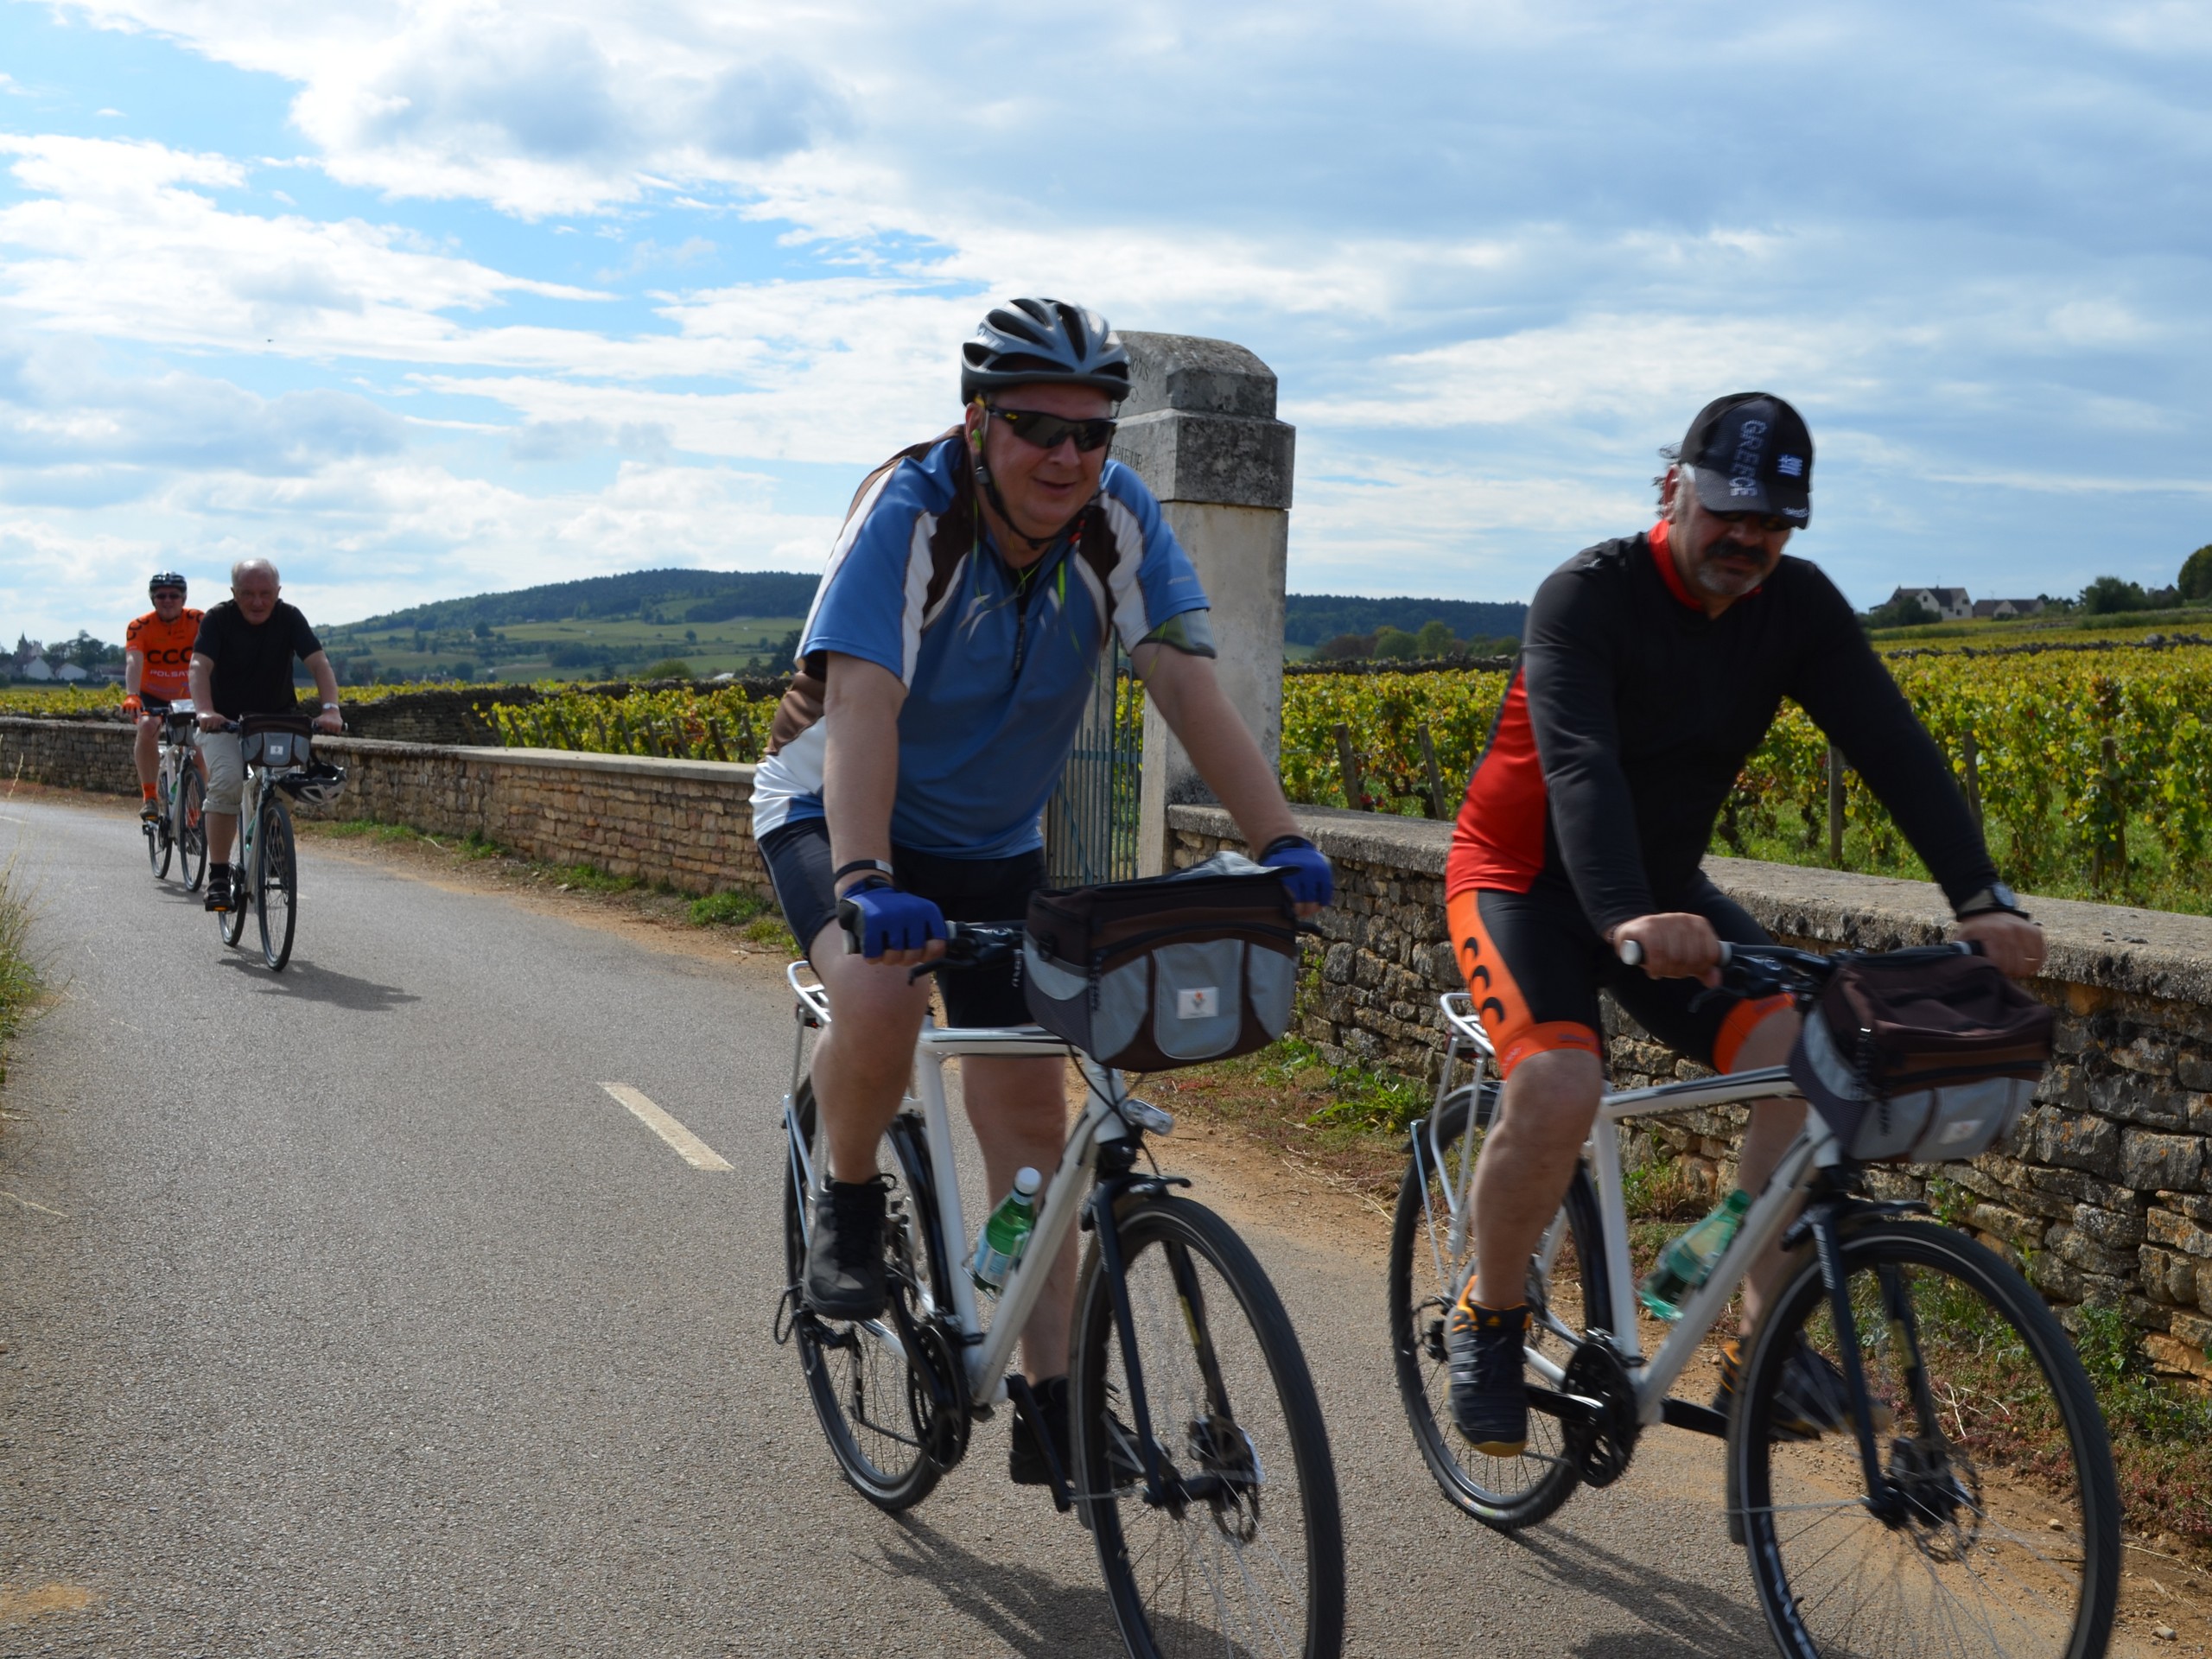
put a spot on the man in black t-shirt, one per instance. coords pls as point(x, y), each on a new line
point(242, 664)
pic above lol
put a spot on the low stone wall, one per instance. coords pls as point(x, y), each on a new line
point(86, 754)
point(2105, 1192)
point(685, 823)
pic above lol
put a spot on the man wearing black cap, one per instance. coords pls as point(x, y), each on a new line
point(1651, 668)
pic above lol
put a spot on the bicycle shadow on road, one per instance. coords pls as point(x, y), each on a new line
point(1682, 1616)
point(1030, 1612)
point(302, 981)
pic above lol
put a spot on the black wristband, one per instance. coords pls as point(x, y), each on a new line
point(848, 868)
point(1282, 841)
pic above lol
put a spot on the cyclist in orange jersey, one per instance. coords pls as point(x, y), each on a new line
point(157, 669)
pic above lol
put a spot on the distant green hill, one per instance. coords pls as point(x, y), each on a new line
point(669, 595)
point(1308, 619)
point(719, 595)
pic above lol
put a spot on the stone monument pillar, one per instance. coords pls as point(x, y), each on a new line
point(1199, 427)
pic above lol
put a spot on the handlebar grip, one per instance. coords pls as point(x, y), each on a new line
point(1631, 953)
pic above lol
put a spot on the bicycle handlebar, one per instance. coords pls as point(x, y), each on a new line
point(1764, 970)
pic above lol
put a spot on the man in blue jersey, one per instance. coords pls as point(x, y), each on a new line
point(943, 671)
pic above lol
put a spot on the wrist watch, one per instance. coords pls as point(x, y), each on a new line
point(1995, 897)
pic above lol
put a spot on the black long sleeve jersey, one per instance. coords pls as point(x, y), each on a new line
point(1632, 712)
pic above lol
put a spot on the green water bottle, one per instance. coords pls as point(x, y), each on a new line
point(1689, 1260)
point(1005, 1235)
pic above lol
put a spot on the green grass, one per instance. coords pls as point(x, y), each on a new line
point(19, 979)
point(725, 909)
point(369, 829)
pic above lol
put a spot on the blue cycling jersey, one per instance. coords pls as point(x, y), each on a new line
point(998, 664)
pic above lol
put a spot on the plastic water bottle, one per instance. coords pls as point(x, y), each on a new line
point(1005, 1235)
point(1689, 1260)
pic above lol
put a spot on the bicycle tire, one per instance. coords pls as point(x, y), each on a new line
point(191, 827)
point(1503, 1493)
point(888, 1463)
point(158, 849)
point(276, 882)
point(230, 925)
point(1959, 1445)
point(1188, 1584)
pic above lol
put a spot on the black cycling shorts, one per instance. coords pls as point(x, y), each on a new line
point(1534, 965)
point(965, 889)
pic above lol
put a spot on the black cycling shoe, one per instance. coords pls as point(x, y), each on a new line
point(1025, 1455)
point(1490, 1394)
point(1813, 1400)
point(218, 887)
point(149, 811)
point(844, 1277)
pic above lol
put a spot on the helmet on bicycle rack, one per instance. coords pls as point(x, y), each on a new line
point(1030, 340)
point(318, 784)
point(166, 579)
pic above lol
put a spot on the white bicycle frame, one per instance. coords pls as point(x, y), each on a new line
point(1109, 1113)
point(1769, 1216)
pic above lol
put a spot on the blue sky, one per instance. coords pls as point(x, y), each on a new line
point(426, 299)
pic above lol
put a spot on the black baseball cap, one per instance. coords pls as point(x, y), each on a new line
point(1750, 452)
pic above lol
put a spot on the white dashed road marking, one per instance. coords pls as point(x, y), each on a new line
point(688, 1147)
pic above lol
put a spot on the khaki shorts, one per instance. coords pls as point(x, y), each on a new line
point(225, 769)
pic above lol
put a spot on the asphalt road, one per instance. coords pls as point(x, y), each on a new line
point(344, 1312)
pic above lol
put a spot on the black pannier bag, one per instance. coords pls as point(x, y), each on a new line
point(1922, 1060)
point(1175, 970)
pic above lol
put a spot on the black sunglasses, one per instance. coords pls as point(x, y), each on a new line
point(1050, 431)
point(1772, 523)
point(169, 593)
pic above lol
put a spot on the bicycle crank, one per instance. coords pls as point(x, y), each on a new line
point(935, 1396)
point(1597, 1408)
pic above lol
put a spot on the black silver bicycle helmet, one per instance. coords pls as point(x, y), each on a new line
point(317, 785)
point(1029, 341)
point(168, 579)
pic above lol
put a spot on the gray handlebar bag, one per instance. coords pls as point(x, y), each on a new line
point(1925, 1061)
point(1172, 971)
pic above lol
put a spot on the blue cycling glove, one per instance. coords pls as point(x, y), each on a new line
point(1304, 869)
point(878, 918)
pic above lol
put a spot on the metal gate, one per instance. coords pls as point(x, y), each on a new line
point(1090, 824)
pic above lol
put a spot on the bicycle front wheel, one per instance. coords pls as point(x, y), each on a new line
point(886, 1420)
point(2003, 1539)
point(190, 827)
point(1431, 1260)
point(1242, 1552)
point(158, 848)
point(276, 882)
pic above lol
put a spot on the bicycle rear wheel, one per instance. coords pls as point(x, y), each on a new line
point(1568, 1289)
point(276, 882)
point(1245, 1553)
point(230, 925)
point(2006, 1541)
point(190, 827)
point(889, 1422)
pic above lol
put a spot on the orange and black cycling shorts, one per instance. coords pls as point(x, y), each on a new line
point(1535, 965)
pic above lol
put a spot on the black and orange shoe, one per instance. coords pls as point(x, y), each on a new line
point(1489, 1393)
point(218, 887)
point(1813, 1401)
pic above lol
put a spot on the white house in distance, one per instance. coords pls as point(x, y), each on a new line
point(1989, 607)
point(1949, 604)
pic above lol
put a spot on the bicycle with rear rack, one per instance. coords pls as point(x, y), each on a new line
point(181, 793)
point(1200, 1462)
point(276, 751)
point(1964, 1503)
